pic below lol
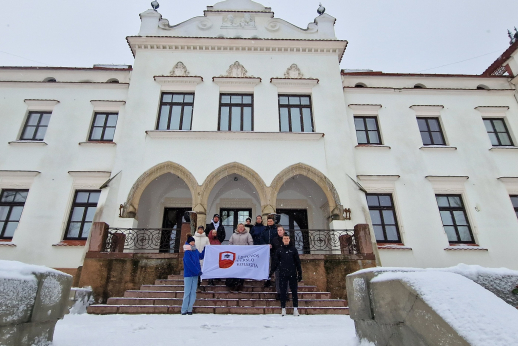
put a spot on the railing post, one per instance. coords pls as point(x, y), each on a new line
point(98, 235)
point(363, 238)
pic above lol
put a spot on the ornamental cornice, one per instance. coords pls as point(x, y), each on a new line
point(178, 83)
point(492, 109)
point(41, 105)
point(17, 179)
point(294, 84)
point(378, 183)
point(107, 105)
point(510, 183)
point(236, 83)
point(89, 179)
point(365, 108)
point(447, 183)
point(427, 109)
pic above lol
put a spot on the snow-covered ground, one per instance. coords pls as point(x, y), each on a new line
point(224, 330)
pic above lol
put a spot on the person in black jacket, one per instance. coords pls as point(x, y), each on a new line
point(287, 262)
point(269, 233)
point(257, 230)
point(218, 227)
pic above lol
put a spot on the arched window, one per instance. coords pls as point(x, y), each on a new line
point(482, 87)
point(419, 86)
point(360, 85)
point(112, 80)
point(50, 79)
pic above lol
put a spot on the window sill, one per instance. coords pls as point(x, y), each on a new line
point(21, 142)
point(230, 135)
point(434, 147)
point(376, 146)
point(7, 243)
point(70, 243)
point(96, 143)
point(504, 148)
point(465, 247)
point(393, 246)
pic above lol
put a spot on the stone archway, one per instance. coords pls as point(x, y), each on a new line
point(233, 168)
point(132, 202)
point(335, 207)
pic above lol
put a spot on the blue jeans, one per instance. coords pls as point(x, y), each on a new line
point(189, 293)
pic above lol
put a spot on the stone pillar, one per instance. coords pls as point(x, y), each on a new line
point(98, 235)
point(363, 238)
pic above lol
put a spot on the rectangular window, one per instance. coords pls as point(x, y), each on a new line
point(11, 207)
point(236, 113)
point(514, 200)
point(82, 214)
point(103, 127)
point(498, 133)
point(35, 126)
point(175, 111)
point(367, 130)
point(454, 218)
point(431, 132)
point(295, 113)
point(383, 215)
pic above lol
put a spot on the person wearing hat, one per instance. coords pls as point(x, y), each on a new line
point(217, 229)
point(191, 272)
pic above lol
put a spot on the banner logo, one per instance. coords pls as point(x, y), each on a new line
point(226, 259)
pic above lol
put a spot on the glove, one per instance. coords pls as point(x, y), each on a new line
point(299, 278)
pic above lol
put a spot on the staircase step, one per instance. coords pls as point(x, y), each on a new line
point(221, 295)
point(219, 288)
point(167, 309)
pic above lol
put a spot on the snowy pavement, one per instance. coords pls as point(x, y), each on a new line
point(227, 330)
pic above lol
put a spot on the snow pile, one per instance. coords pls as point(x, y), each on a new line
point(477, 315)
point(196, 330)
point(83, 297)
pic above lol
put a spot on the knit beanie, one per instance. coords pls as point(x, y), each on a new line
point(190, 239)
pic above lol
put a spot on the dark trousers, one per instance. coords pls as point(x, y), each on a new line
point(284, 281)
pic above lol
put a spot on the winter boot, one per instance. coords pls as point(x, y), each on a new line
point(267, 283)
point(283, 312)
point(295, 312)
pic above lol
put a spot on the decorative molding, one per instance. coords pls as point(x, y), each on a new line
point(275, 24)
point(492, 109)
point(429, 91)
point(17, 179)
point(378, 183)
point(170, 202)
point(97, 144)
point(236, 70)
point(447, 183)
point(34, 143)
point(294, 85)
point(64, 85)
point(7, 244)
point(427, 109)
point(229, 135)
point(437, 147)
point(235, 21)
point(89, 179)
point(368, 109)
point(179, 70)
point(511, 184)
point(178, 83)
point(465, 247)
point(373, 146)
point(107, 105)
point(41, 105)
point(293, 72)
point(236, 83)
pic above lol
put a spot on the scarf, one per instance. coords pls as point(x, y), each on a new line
point(216, 225)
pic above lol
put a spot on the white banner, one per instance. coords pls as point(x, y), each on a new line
point(236, 261)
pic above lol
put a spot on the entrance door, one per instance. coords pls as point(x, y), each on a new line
point(296, 220)
point(230, 218)
point(172, 222)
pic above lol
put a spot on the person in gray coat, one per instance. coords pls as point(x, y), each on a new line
point(240, 237)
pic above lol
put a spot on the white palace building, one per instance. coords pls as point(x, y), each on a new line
point(239, 113)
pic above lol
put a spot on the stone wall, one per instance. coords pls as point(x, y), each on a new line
point(32, 300)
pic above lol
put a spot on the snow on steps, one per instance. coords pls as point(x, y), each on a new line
point(165, 297)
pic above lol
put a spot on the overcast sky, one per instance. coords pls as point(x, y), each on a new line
point(383, 35)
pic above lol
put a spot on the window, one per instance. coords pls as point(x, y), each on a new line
point(454, 218)
point(36, 126)
point(82, 214)
point(236, 113)
point(11, 207)
point(498, 133)
point(295, 113)
point(382, 212)
point(230, 218)
point(431, 132)
point(103, 127)
point(514, 200)
point(175, 111)
point(367, 130)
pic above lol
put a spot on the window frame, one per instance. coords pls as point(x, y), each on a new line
point(104, 127)
point(84, 205)
point(491, 120)
point(515, 208)
point(455, 226)
point(364, 118)
point(37, 126)
point(230, 105)
point(171, 104)
point(11, 205)
point(429, 131)
point(383, 225)
point(299, 106)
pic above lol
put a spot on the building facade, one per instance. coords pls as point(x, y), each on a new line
point(239, 113)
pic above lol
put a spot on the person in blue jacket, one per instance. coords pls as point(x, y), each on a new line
point(257, 230)
point(191, 271)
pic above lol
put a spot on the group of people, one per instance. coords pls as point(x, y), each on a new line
point(284, 258)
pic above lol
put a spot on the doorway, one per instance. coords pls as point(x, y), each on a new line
point(296, 221)
point(172, 229)
point(230, 218)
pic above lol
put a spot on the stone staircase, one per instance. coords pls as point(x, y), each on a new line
point(165, 297)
